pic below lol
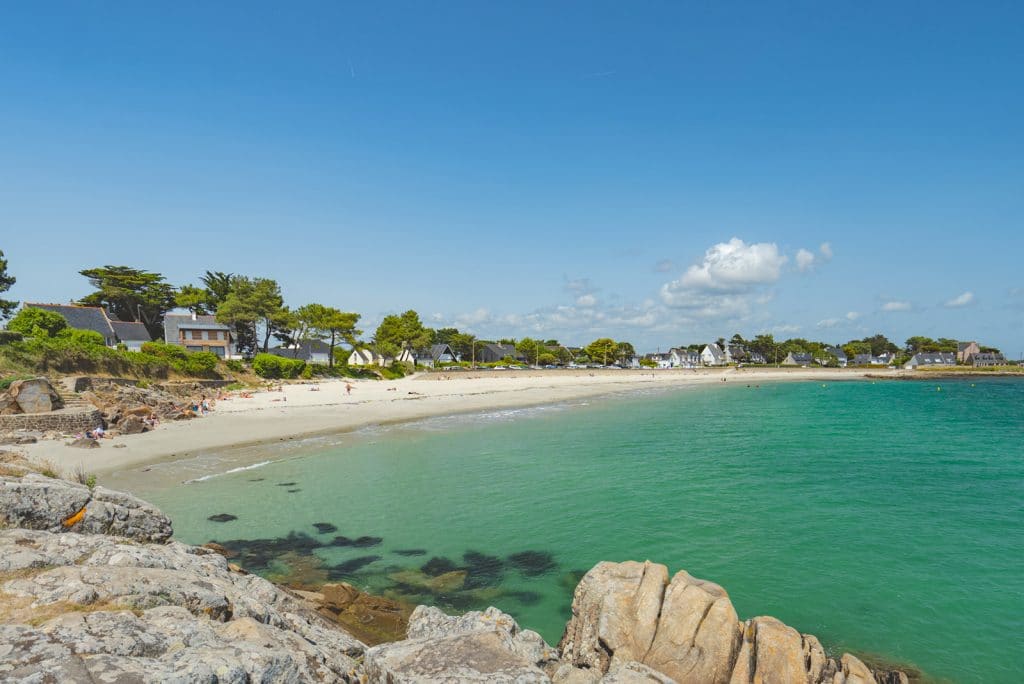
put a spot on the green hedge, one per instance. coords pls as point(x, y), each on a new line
point(74, 353)
point(271, 366)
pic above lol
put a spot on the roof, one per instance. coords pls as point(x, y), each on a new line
point(802, 358)
point(130, 331)
point(80, 317)
point(303, 350)
point(174, 322)
point(985, 356)
point(836, 352)
point(715, 350)
point(962, 346)
point(438, 350)
point(934, 358)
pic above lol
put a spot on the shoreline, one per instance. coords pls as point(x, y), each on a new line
point(299, 411)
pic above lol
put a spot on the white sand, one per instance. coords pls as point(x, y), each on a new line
point(270, 416)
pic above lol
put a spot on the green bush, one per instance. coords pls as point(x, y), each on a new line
point(271, 366)
point(163, 350)
point(235, 366)
point(200, 363)
point(82, 337)
point(33, 322)
point(307, 373)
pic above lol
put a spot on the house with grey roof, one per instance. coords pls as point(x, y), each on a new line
point(662, 359)
point(683, 358)
point(980, 359)
point(798, 359)
point(310, 351)
point(930, 359)
point(839, 354)
point(964, 350)
point(96, 319)
point(494, 353)
point(712, 355)
point(435, 354)
point(132, 335)
point(200, 333)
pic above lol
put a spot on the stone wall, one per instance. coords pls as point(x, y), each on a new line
point(67, 421)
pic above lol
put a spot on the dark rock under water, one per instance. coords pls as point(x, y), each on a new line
point(222, 517)
point(533, 563)
point(411, 552)
point(325, 528)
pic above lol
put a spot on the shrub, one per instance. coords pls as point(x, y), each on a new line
point(235, 366)
point(33, 322)
point(307, 373)
point(9, 336)
point(200, 363)
point(83, 337)
point(164, 351)
point(271, 366)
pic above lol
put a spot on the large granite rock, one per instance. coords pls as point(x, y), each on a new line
point(30, 396)
point(108, 609)
point(43, 503)
point(476, 647)
point(627, 614)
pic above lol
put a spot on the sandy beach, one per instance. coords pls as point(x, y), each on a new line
point(307, 409)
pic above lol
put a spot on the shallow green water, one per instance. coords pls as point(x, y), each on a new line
point(885, 517)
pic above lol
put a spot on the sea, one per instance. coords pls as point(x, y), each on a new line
point(884, 517)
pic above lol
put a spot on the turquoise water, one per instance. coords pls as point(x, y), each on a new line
point(885, 518)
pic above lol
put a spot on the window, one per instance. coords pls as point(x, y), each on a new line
point(197, 334)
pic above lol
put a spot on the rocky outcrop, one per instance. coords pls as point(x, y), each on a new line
point(688, 630)
point(30, 396)
point(37, 502)
point(107, 609)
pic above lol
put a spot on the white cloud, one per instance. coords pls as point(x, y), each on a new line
point(804, 260)
point(586, 300)
point(785, 329)
point(826, 250)
point(964, 299)
point(829, 323)
point(896, 306)
point(734, 266)
point(852, 315)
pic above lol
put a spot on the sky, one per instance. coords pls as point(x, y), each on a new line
point(659, 172)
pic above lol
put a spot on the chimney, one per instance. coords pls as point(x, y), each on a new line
point(193, 315)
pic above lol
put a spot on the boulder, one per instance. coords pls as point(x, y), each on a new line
point(84, 443)
point(615, 611)
point(371, 619)
point(131, 425)
point(698, 634)
point(43, 503)
point(32, 396)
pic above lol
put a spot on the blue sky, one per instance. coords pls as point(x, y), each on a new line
point(648, 171)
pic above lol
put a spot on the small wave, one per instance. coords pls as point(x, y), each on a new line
point(239, 469)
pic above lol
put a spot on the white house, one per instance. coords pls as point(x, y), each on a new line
point(683, 358)
point(662, 359)
point(712, 355)
point(310, 351)
point(366, 357)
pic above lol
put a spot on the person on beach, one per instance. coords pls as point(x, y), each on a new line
point(348, 388)
point(204, 405)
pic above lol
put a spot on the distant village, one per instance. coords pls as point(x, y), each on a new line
point(204, 333)
point(233, 318)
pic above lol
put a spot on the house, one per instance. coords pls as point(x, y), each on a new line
point(366, 357)
point(494, 353)
point(735, 353)
point(712, 355)
point(435, 354)
point(95, 318)
point(131, 335)
point(931, 359)
point(310, 351)
point(199, 333)
point(979, 359)
point(870, 360)
point(756, 357)
point(839, 354)
point(798, 359)
point(964, 351)
point(662, 359)
point(683, 358)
